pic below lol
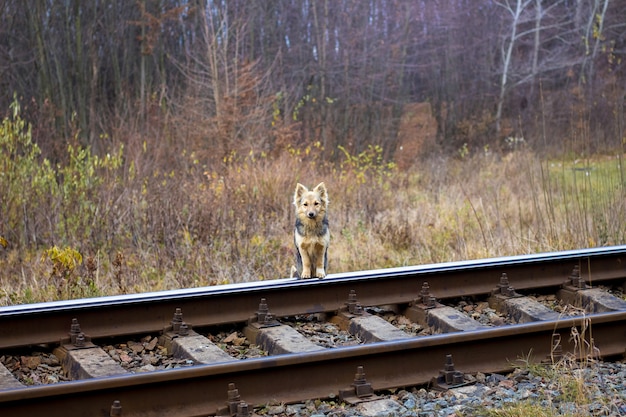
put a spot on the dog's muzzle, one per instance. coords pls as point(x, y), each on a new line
point(311, 214)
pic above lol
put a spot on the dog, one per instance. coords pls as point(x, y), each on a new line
point(311, 235)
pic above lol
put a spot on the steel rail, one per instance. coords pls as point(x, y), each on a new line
point(46, 323)
point(201, 390)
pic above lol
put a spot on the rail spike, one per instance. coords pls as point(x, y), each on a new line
point(426, 300)
point(263, 318)
point(360, 390)
point(235, 407)
point(449, 377)
point(352, 305)
point(575, 280)
point(504, 289)
point(569, 292)
point(177, 325)
point(116, 409)
point(242, 410)
point(76, 338)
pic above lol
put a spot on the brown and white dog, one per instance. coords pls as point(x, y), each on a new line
point(311, 235)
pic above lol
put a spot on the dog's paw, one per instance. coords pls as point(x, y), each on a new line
point(305, 275)
point(320, 273)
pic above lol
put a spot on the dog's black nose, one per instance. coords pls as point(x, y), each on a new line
point(311, 214)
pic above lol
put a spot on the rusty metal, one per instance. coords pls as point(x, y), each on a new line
point(184, 329)
point(418, 308)
point(242, 410)
point(360, 390)
point(575, 279)
point(130, 314)
point(353, 307)
point(177, 320)
point(504, 288)
point(426, 300)
point(77, 339)
point(263, 318)
point(80, 340)
point(449, 377)
point(116, 409)
point(192, 391)
point(233, 402)
point(570, 290)
point(503, 292)
point(177, 327)
point(74, 330)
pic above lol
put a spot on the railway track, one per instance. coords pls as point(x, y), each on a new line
point(297, 369)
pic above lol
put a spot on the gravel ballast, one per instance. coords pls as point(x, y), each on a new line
point(595, 389)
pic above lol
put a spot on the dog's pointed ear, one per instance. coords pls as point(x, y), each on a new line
point(321, 190)
point(300, 190)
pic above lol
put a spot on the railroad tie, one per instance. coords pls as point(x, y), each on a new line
point(447, 319)
point(81, 359)
point(594, 300)
point(367, 327)
point(426, 311)
point(280, 339)
point(526, 310)
point(276, 338)
point(577, 292)
point(195, 347)
point(182, 342)
point(521, 309)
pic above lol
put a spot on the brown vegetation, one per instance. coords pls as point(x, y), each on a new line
point(150, 145)
point(126, 224)
point(417, 134)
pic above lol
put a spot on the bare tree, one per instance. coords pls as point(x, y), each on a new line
point(516, 12)
point(341, 69)
point(593, 35)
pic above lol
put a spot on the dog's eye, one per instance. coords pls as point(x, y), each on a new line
point(317, 203)
point(305, 204)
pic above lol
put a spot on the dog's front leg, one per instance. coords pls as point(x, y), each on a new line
point(306, 264)
point(320, 255)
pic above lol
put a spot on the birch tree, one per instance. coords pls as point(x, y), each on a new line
point(515, 9)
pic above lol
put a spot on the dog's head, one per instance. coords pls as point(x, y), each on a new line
point(311, 204)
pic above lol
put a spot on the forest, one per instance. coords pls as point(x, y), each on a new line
point(153, 144)
point(239, 74)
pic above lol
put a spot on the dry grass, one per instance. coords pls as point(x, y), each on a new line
point(569, 383)
point(197, 226)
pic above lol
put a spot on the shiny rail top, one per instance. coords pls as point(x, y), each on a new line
point(147, 312)
point(413, 271)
